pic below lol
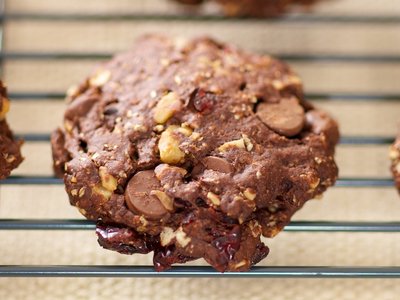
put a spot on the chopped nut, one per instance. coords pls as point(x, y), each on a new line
point(247, 142)
point(258, 174)
point(314, 183)
point(82, 211)
point(253, 99)
point(81, 192)
point(74, 192)
point(178, 79)
point(9, 158)
point(273, 208)
point(195, 136)
point(166, 236)
point(68, 126)
point(165, 200)
point(143, 220)
point(73, 179)
point(250, 193)
point(255, 228)
point(168, 146)
point(5, 108)
point(318, 160)
point(72, 91)
point(181, 237)
point(232, 144)
point(100, 78)
point(213, 198)
point(273, 232)
point(185, 131)
point(394, 153)
point(144, 223)
point(139, 127)
point(158, 128)
point(153, 94)
point(166, 107)
point(107, 181)
point(398, 168)
point(165, 62)
point(241, 264)
point(292, 79)
point(278, 84)
point(100, 190)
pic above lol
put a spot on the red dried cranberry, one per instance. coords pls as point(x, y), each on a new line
point(260, 253)
point(123, 240)
point(164, 258)
point(229, 244)
point(203, 101)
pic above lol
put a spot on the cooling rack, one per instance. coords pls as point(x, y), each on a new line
point(200, 271)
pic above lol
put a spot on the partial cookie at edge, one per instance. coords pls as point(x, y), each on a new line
point(394, 154)
point(10, 155)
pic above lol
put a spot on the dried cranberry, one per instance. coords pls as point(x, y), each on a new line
point(189, 219)
point(229, 244)
point(123, 240)
point(260, 253)
point(203, 101)
point(164, 258)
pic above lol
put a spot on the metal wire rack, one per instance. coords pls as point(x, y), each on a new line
point(190, 271)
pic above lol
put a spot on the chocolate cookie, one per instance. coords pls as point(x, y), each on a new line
point(10, 155)
point(253, 8)
point(395, 158)
point(193, 150)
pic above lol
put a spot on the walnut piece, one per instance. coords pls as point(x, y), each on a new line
point(100, 78)
point(232, 144)
point(5, 108)
point(166, 107)
point(168, 146)
point(107, 181)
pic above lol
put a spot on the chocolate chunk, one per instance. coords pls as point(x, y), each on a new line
point(286, 117)
point(139, 197)
point(217, 164)
point(320, 122)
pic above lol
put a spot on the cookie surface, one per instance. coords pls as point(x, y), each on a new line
point(395, 158)
point(10, 155)
point(253, 8)
point(193, 150)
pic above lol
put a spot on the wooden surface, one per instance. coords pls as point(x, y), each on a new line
point(373, 118)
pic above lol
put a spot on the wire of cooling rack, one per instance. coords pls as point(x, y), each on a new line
point(191, 271)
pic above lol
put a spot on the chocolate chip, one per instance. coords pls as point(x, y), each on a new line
point(286, 117)
point(217, 164)
point(138, 198)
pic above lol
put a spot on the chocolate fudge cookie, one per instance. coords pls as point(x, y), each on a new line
point(193, 150)
point(395, 158)
point(254, 8)
point(10, 155)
